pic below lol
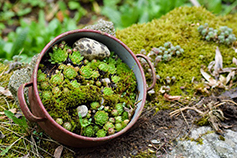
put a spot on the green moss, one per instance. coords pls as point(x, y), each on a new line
point(179, 27)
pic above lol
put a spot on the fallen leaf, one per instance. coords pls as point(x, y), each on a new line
point(218, 62)
point(2, 135)
point(6, 92)
point(12, 110)
point(171, 98)
point(58, 151)
point(230, 76)
point(205, 75)
point(234, 60)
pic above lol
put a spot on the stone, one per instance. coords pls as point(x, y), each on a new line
point(103, 26)
point(212, 146)
point(83, 110)
point(91, 49)
point(20, 77)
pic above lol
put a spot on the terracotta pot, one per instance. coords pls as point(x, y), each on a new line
point(37, 112)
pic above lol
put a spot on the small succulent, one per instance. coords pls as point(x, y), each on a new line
point(111, 68)
point(101, 133)
point(70, 72)
point(47, 95)
point(95, 74)
point(59, 54)
point(125, 123)
point(101, 117)
point(76, 57)
point(59, 121)
point(114, 112)
point(115, 79)
point(44, 85)
point(223, 35)
point(95, 105)
point(108, 125)
point(67, 126)
point(108, 91)
point(104, 67)
point(75, 84)
point(86, 72)
point(57, 79)
point(118, 119)
point(111, 131)
point(41, 76)
point(89, 131)
point(119, 108)
point(56, 91)
point(118, 127)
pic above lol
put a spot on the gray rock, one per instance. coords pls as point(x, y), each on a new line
point(212, 147)
point(83, 110)
point(103, 26)
point(91, 49)
point(20, 77)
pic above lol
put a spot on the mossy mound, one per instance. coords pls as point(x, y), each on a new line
point(180, 27)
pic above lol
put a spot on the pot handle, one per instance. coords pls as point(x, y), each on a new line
point(24, 107)
point(152, 70)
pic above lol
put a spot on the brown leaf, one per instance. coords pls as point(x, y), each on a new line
point(6, 92)
point(171, 98)
point(58, 151)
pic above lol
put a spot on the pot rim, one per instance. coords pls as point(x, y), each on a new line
point(49, 118)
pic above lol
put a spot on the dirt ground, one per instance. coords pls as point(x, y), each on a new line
point(163, 128)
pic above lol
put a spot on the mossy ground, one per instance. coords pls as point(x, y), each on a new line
point(179, 27)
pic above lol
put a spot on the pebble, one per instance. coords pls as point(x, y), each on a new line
point(154, 141)
point(83, 110)
point(91, 49)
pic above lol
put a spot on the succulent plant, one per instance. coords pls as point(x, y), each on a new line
point(104, 67)
point(44, 85)
point(86, 72)
point(89, 131)
point(108, 91)
point(114, 112)
point(95, 74)
point(69, 72)
point(56, 91)
point(101, 117)
point(57, 79)
point(112, 120)
point(125, 123)
point(95, 105)
point(111, 131)
point(47, 95)
point(67, 126)
point(108, 125)
point(115, 79)
point(118, 127)
point(101, 133)
point(119, 108)
point(59, 121)
point(96, 128)
point(111, 68)
point(59, 54)
point(118, 119)
point(41, 76)
point(75, 84)
point(76, 57)
point(223, 35)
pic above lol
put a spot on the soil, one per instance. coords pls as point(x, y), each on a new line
point(161, 127)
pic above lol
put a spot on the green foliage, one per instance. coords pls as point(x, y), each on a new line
point(20, 121)
point(33, 37)
point(140, 11)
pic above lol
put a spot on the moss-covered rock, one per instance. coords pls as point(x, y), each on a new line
point(180, 28)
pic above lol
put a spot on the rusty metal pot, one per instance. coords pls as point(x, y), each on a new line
point(37, 112)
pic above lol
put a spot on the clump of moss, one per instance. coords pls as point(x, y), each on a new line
point(179, 27)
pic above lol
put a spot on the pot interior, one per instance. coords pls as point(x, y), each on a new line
point(116, 46)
